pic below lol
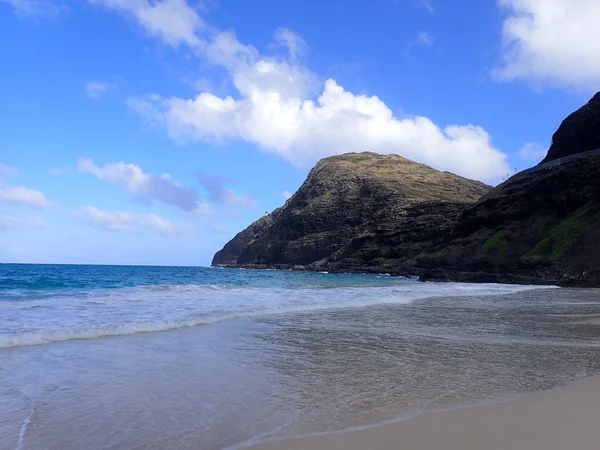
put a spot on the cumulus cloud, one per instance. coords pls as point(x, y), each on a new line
point(131, 222)
point(218, 193)
point(551, 42)
point(96, 89)
point(35, 8)
point(145, 188)
point(20, 195)
point(276, 109)
point(532, 152)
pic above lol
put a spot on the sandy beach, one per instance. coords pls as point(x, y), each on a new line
point(565, 418)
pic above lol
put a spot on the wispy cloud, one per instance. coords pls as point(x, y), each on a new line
point(132, 222)
point(19, 195)
point(36, 8)
point(532, 152)
point(174, 21)
point(428, 4)
point(286, 194)
point(9, 222)
point(425, 38)
point(7, 172)
point(97, 89)
point(218, 193)
point(143, 187)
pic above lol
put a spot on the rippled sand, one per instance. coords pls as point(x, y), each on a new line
point(562, 419)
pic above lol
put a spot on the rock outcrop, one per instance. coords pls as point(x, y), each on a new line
point(578, 133)
point(373, 213)
point(356, 212)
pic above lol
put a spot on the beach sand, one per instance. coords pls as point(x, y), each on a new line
point(566, 418)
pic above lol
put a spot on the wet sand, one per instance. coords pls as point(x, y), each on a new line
point(565, 418)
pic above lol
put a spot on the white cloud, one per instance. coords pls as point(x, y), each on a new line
point(292, 41)
point(171, 20)
point(275, 108)
point(7, 172)
point(286, 194)
point(36, 222)
point(20, 195)
point(8, 222)
point(552, 42)
point(96, 89)
point(302, 131)
point(425, 38)
point(219, 194)
point(428, 5)
point(131, 221)
point(144, 187)
point(35, 8)
point(532, 152)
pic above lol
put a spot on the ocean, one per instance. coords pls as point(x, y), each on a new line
point(117, 357)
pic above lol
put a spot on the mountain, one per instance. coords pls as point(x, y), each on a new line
point(360, 211)
point(373, 213)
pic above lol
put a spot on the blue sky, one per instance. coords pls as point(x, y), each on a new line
point(151, 132)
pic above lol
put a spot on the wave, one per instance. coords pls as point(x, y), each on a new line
point(167, 307)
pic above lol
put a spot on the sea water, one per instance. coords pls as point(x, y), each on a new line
point(115, 357)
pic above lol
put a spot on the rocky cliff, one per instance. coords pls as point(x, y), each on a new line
point(374, 213)
point(540, 226)
point(578, 133)
point(356, 212)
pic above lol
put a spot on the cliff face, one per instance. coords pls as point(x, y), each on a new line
point(542, 227)
point(578, 133)
point(356, 212)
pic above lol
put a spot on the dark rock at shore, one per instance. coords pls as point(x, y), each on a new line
point(578, 133)
point(355, 211)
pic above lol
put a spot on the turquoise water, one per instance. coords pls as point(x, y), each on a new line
point(177, 357)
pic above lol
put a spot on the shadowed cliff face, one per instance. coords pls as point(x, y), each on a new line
point(578, 133)
point(542, 228)
point(353, 212)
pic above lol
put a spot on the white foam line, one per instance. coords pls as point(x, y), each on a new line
point(23, 431)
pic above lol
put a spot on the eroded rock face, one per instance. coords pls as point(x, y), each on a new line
point(356, 212)
point(229, 254)
point(537, 228)
point(578, 133)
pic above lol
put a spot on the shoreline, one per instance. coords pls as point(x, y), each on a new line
point(563, 418)
point(436, 275)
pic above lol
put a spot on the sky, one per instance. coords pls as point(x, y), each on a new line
point(152, 131)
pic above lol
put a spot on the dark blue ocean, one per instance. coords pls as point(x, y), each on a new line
point(180, 357)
